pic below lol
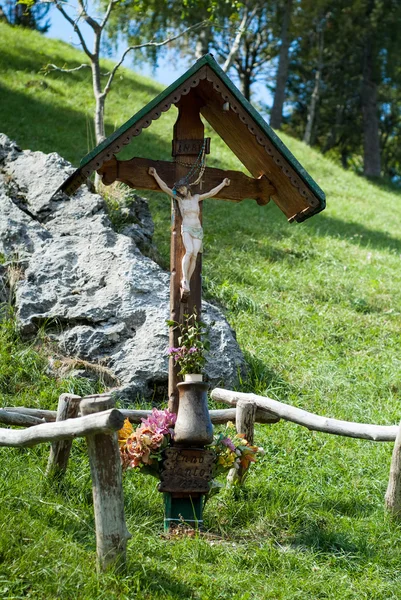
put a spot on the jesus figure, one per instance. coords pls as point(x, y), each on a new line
point(191, 229)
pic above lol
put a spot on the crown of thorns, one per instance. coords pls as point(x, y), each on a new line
point(180, 183)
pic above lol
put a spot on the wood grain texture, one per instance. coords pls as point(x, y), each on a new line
point(365, 431)
point(134, 173)
point(186, 471)
point(234, 127)
point(19, 419)
point(108, 498)
point(393, 493)
point(217, 416)
point(187, 126)
point(40, 413)
point(68, 407)
point(244, 424)
point(106, 422)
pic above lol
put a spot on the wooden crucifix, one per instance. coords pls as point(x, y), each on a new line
point(203, 90)
point(275, 173)
point(186, 209)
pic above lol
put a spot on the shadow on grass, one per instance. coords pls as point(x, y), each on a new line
point(384, 185)
point(263, 380)
point(351, 507)
point(159, 581)
point(38, 124)
point(354, 233)
point(320, 539)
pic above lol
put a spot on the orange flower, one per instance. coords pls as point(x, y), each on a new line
point(124, 432)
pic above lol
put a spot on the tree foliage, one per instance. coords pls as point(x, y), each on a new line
point(32, 15)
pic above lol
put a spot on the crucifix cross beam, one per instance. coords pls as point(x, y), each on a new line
point(174, 178)
point(135, 173)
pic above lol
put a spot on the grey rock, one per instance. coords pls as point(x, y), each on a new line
point(138, 222)
point(8, 149)
point(19, 234)
point(4, 288)
point(95, 292)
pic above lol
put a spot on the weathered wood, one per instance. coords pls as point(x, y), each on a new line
point(180, 147)
point(47, 415)
point(393, 493)
point(244, 424)
point(245, 419)
point(255, 151)
point(218, 417)
point(135, 174)
point(187, 470)
point(365, 431)
point(68, 407)
point(225, 415)
point(108, 499)
point(105, 422)
point(187, 126)
point(237, 123)
point(18, 419)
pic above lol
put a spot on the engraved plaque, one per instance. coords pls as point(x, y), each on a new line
point(190, 147)
point(187, 470)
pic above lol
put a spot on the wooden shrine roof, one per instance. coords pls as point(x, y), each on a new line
point(241, 127)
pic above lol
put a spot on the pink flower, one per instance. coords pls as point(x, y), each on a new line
point(160, 421)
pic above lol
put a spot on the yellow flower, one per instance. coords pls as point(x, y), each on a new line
point(125, 432)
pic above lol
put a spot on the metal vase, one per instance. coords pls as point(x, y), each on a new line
point(193, 426)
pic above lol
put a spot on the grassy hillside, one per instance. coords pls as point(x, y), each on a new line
point(316, 307)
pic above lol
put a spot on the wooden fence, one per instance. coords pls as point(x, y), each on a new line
point(365, 431)
point(96, 419)
point(98, 423)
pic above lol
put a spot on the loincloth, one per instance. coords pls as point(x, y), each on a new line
point(195, 232)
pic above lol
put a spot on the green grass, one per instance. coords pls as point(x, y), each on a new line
point(316, 308)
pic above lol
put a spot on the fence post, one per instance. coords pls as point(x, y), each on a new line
point(245, 424)
point(108, 499)
point(393, 493)
point(68, 407)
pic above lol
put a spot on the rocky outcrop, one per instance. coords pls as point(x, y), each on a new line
point(92, 289)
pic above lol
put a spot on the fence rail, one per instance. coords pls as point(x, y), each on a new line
point(365, 431)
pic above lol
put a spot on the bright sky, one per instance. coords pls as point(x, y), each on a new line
point(166, 72)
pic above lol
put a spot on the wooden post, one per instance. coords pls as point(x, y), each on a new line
point(393, 493)
point(188, 126)
point(244, 423)
point(108, 500)
point(68, 407)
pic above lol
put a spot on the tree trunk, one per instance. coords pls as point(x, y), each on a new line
point(282, 69)
point(245, 80)
point(315, 94)
point(202, 43)
point(236, 43)
point(371, 137)
point(24, 16)
point(344, 158)
point(98, 93)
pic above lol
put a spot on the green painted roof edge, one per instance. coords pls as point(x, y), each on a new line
point(211, 62)
point(152, 104)
point(276, 141)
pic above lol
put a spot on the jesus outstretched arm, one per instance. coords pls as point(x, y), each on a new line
point(162, 185)
point(215, 190)
point(191, 228)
